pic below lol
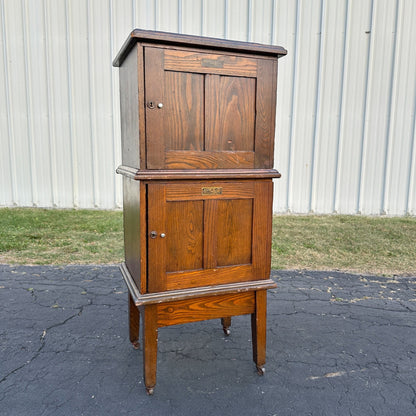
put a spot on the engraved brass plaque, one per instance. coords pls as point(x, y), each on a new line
point(212, 190)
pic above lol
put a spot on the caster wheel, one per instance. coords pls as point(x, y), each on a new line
point(150, 391)
point(261, 371)
point(227, 331)
point(136, 345)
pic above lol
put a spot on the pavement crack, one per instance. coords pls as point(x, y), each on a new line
point(42, 339)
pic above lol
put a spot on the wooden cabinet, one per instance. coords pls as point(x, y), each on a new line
point(197, 123)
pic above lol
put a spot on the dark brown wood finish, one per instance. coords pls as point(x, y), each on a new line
point(134, 323)
point(174, 39)
point(216, 110)
point(198, 122)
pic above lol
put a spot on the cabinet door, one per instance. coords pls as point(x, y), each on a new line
point(203, 233)
point(208, 110)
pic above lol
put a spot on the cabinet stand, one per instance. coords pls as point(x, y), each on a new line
point(183, 306)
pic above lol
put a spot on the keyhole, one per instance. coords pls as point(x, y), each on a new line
point(151, 105)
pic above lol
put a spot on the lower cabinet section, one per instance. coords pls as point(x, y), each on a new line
point(201, 233)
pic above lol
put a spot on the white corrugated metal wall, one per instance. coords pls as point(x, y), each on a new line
point(346, 97)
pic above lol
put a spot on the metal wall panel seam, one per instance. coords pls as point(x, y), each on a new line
point(411, 193)
point(8, 110)
point(180, 16)
point(50, 106)
point(364, 129)
point(226, 13)
point(29, 109)
point(74, 174)
point(387, 155)
point(292, 112)
point(250, 21)
point(341, 110)
point(272, 23)
point(317, 121)
point(93, 114)
point(115, 91)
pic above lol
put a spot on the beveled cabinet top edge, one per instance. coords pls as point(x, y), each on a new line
point(138, 35)
point(176, 174)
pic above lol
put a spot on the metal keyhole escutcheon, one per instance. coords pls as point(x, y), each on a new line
point(153, 234)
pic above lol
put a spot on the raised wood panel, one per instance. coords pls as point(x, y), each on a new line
point(183, 109)
point(217, 110)
point(197, 190)
point(209, 160)
point(182, 60)
point(217, 232)
point(234, 232)
point(184, 230)
point(209, 277)
point(210, 307)
point(230, 113)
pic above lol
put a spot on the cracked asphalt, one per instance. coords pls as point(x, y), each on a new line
point(338, 344)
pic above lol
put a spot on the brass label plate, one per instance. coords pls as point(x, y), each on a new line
point(211, 190)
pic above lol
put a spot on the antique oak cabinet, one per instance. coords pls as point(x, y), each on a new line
point(197, 130)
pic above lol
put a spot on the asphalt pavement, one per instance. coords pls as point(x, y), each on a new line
point(337, 344)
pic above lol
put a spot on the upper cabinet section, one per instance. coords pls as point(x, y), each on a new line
point(197, 103)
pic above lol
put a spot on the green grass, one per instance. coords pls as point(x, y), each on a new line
point(43, 236)
point(378, 245)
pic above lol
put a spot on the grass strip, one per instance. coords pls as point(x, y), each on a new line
point(376, 245)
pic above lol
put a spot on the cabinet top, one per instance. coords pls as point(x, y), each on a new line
point(175, 39)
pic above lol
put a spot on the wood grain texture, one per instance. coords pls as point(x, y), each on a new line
point(157, 251)
point(258, 328)
point(210, 233)
point(193, 190)
point(183, 60)
point(150, 332)
point(265, 114)
point(184, 111)
point(262, 228)
point(132, 207)
point(210, 277)
point(174, 39)
point(234, 221)
point(209, 160)
point(200, 309)
point(154, 93)
point(184, 231)
point(230, 113)
point(134, 322)
point(129, 111)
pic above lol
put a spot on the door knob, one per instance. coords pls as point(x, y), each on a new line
point(160, 105)
point(162, 235)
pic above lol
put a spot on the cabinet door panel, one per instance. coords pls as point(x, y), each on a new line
point(234, 224)
point(230, 110)
point(184, 111)
point(216, 232)
point(184, 229)
point(217, 110)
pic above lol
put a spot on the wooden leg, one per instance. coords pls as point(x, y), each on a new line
point(150, 347)
point(258, 330)
point(226, 323)
point(134, 323)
